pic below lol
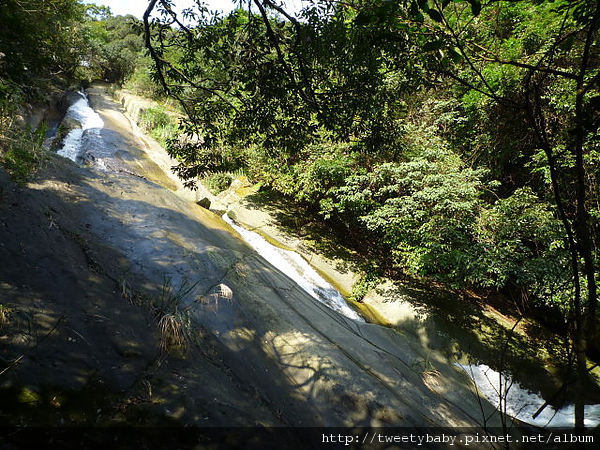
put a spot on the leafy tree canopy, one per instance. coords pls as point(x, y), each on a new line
point(39, 38)
point(397, 120)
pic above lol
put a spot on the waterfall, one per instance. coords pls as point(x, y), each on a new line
point(508, 396)
point(91, 123)
point(297, 269)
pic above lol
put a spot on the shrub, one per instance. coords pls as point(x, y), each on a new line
point(159, 123)
point(21, 151)
point(521, 245)
point(141, 83)
point(218, 182)
point(421, 211)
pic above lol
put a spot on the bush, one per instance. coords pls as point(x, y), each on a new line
point(141, 83)
point(218, 182)
point(521, 245)
point(159, 123)
point(21, 151)
point(154, 117)
point(421, 211)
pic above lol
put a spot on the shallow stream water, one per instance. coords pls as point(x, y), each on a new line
point(76, 141)
point(297, 269)
point(519, 403)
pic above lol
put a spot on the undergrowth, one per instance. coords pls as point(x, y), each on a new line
point(159, 123)
point(218, 182)
point(172, 318)
point(21, 150)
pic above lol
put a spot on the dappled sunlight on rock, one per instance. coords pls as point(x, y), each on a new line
point(128, 259)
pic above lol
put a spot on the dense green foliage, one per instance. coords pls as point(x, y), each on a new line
point(20, 149)
point(345, 111)
point(453, 140)
point(160, 123)
point(114, 46)
point(47, 45)
point(39, 38)
point(40, 41)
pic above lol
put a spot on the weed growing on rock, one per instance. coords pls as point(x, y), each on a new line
point(5, 314)
point(170, 297)
point(174, 323)
point(175, 331)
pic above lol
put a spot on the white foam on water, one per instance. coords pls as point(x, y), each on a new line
point(297, 269)
point(517, 402)
point(89, 120)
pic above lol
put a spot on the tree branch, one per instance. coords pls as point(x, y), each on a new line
point(161, 63)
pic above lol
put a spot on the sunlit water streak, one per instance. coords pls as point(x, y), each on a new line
point(91, 123)
point(522, 404)
point(297, 269)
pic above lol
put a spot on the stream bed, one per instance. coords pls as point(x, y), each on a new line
point(78, 139)
point(283, 339)
point(297, 269)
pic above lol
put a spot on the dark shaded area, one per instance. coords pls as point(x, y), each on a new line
point(68, 327)
point(162, 437)
point(80, 345)
point(294, 438)
point(534, 356)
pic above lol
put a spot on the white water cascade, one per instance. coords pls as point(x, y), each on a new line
point(91, 123)
point(517, 402)
point(297, 269)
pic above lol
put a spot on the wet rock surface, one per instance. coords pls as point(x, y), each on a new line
point(94, 257)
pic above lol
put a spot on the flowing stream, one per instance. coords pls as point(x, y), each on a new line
point(78, 139)
point(517, 402)
point(296, 268)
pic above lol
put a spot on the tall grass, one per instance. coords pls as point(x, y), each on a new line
point(175, 331)
point(159, 123)
point(174, 322)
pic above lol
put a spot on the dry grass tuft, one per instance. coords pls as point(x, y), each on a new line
point(174, 331)
point(5, 314)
